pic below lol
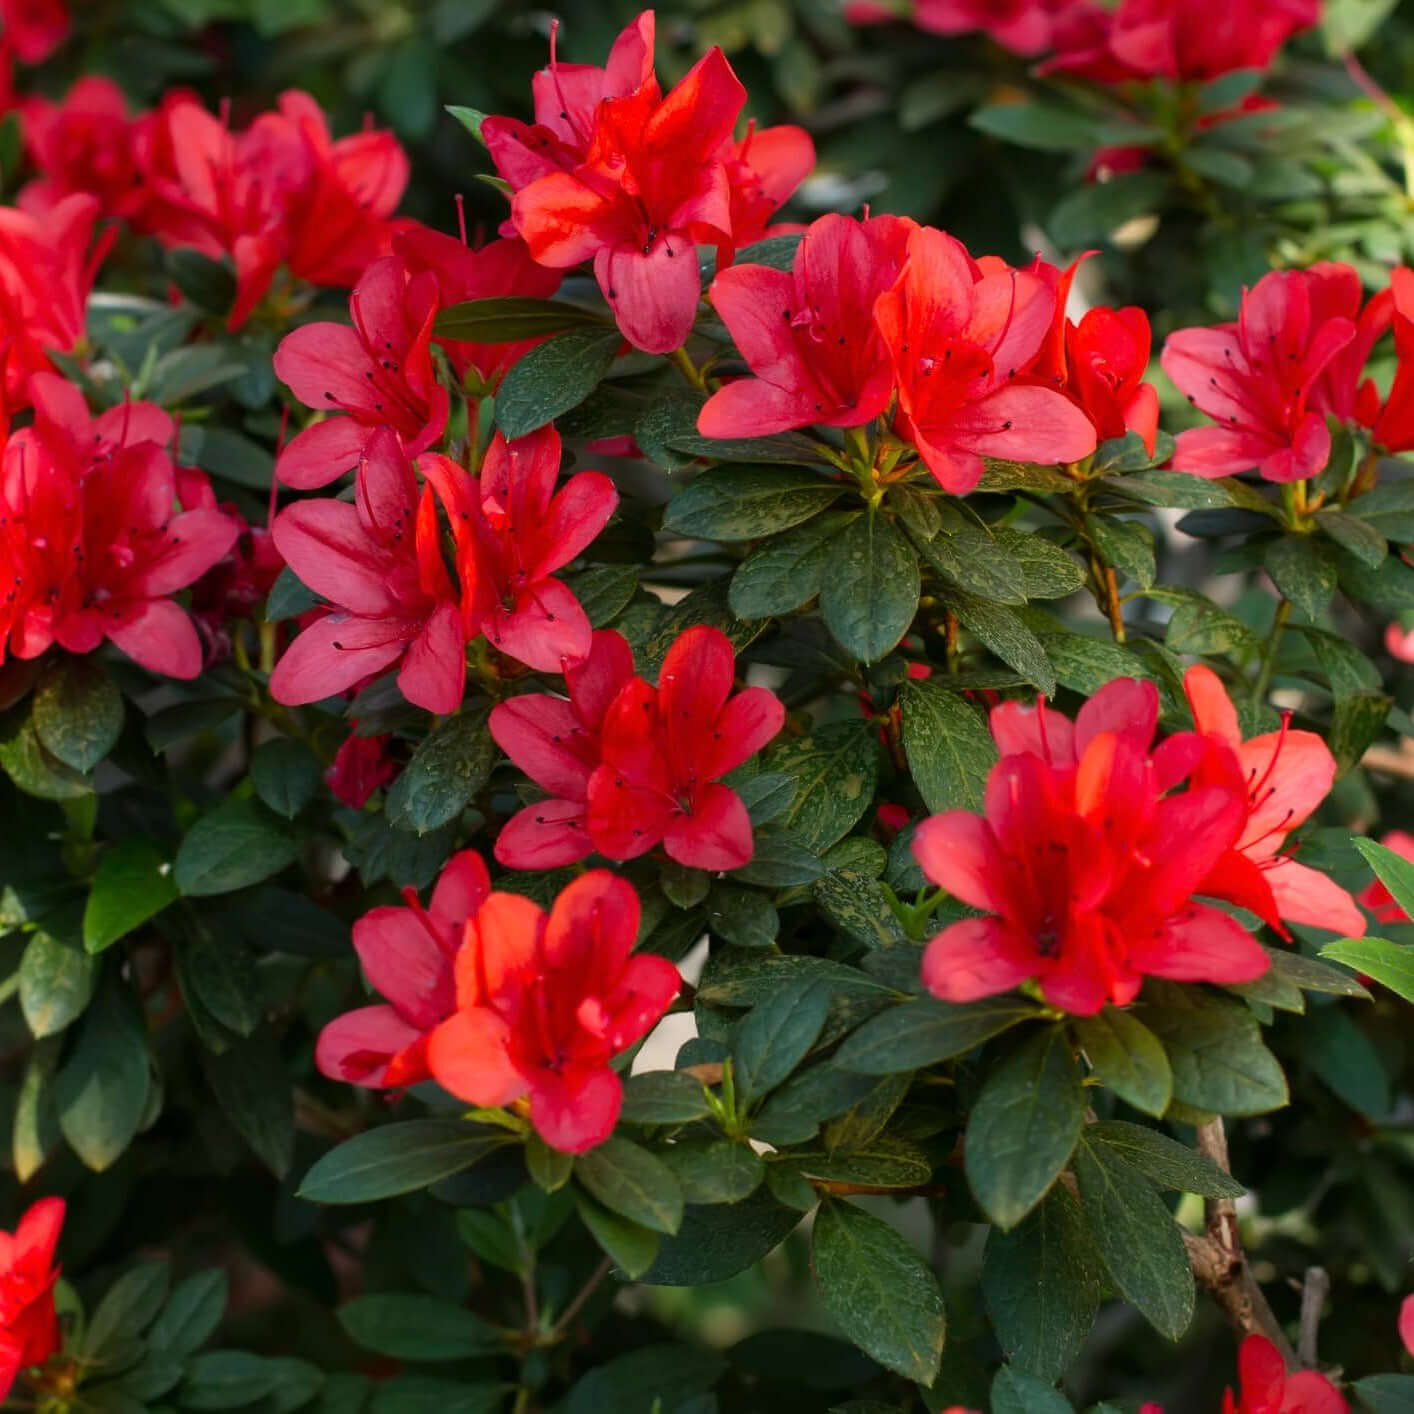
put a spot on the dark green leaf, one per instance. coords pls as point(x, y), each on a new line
point(1126, 545)
point(1094, 211)
point(630, 1181)
point(604, 591)
point(1016, 1392)
point(777, 1034)
point(1164, 1161)
point(397, 1158)
point(78, 713)
point(238, 843)
point(288, 598)
point(977, 562)
point(747, 502)
point(949, 749)
point(252, 1086)
point(1047, 571)
point(1357, 536)
point(222, 975)
point(714, 1170)
point(192, 1313)
point(924, 1032)
point(133, 883)
point(1004, 634)
point(652, 1378)
point(1127, 1058)
point(786, 571)
point(1312, 976)
point(1023, 1126)
point(285, 774)
point(663, 1097)
point(554, 377)
point(1042, 126)
point(228, 1379)
point(57, 979)
point(1345, 1058)
point(633, 1247)
point(1386, 1394)
point(508, 319)
point(779, 861)
point(411, 1326)
point(32, 767)
point(1390, 964)
point(1392, 870)
point(881, 1293)
point(1358, 718)
point(1300, 568)
point(744, 917)
point(869, 598)
point(549, 1169)
point(835, 768)
point(444, 775)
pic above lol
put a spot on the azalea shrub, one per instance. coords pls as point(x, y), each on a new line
point(707, 711)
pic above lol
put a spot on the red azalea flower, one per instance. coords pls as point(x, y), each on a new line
point(103, 544)
point(513, 531)
point(1266, 1388)
point(1180, 40)
point(379, 564)
point(47, 268)
point(544, 1004)
point(1084, 863)
point(651, 188)
point(1394, 426)
point(1406, 1323)
point(1399, 642)
point(500, 269)
point(1256, 378)
point(664, 751)
point(82, 144)
point(1024, 27)
point(763, 171)
point(362, 765)
point(379, 372)
point(1375, 896)
point(808, 333)
point(407, 955)
point(29, 1325)
point(33, 29)
point(1286, 775)
point(557, 744)
point(959, 333)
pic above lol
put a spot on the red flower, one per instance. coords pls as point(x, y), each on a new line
point(379, 564)
point(1399, 642)
point(497, 270)
point(651, 188)
point(84, 144)
point(379, 372)
point(103, 544)
point(1025, 27)
point(33, 29)
point(361, 766)
point(29, 1326)
point(663, 753)
point(1375, 896)
point(1180, 40)
point(1406, 1323)
point(958, 334)
point(545, 1002)
point(1266, 1388)
point(407, 955)
point(1286, 775)
point(1256, 378)
point(1085, 864)
point(47, 268)
point(1394, 426)
point(1341, 390)
point(808, 333)
point(763, 171)
point(513, 531)
point(557, 744)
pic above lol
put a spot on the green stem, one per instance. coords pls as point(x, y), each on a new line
point(681, 360)
point(1269, 653)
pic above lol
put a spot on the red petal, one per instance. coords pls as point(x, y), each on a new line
point(461, 889)
point(502, 944)
point(1201, 945)
point(357, 1046)
point(748, 722)
point(545, 739)
point(975, 958)
point(595, 682)
point(313, 668)
point(1213, 712)
point(545, 835)
point(195, 540)
point(157, 634)
point(576, 1110)
point(1304, 895)
point(324, 544)
point(653, 293)
point(433, 674)
point(578, 512)
point(321, 453)
point(546, 630)
point(716, 835)
point(405, 964)
point(467, 1055)
point(958, 851)
point(593, 925)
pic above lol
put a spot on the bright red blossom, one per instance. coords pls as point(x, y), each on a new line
point(29, 1326)
point(958, 333)
point(1025, 27)
point(82, 144)
point(1406, 1323)
point(1086, 863)
point(1265, 1387)
point(545, 1001)
point(664, 749)
point(808, 333)
point(407, 955)
point(32, 30)
point(362, 765)
point(378, 372)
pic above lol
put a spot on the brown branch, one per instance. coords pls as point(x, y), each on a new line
point(1314, 1291)
point(1220, 1264)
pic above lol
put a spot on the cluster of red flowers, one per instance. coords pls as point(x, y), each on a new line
point(981, 357)
point(1089, 861)
point(1179, 40)
point(629, 766)
point(90, 539)
point(1295, 357)
point(615, 171)
point(29, 1326)
point(500, 1002)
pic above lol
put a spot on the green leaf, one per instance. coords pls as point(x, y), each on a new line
point(78, 713)
point(508, 319)
point(1357, 536)
point(471, 119)
point(604, 591)
point(1127, 545)
point(1042, 126)
point(445, 774)
point(869, 599)
point(858, 906)
point(1047, 571)
point(35, 1134)
point(632, 1246)
point(286, 774)
point(1392, 870)
point(408, 1325)
point(883, 1296)
point(233, 457)
point(660, 1378)
point(1094, 211)
point(743, 917)
point(1358, 719)
point(835, 768)
point(288, 598)
point(746, 502)
point(548, 1168)
point(663, 1097)
point(397, 1158)
point(1347, 25)
point(126, 1309)
point(1386, 1394)
point(714, 1170)
point(237, 844)
point(1041, 1282)
point(1215, 1048)
point(779, 861)
point(976, 561)
point(1137, 1237)
point(884, 1162)
point(1390, 964)
point(950, 751)
point(1023, 1126)
point(1127, 1058)
point(192, 1313)
point(1346, 1060)
point(57, 979)
point(31, 766)
point(228, 1379)
point(717, 1241)
point(1312, 976)
point(630, 1181)
point(776, 1035)
point(1085, 664)
point(1003, 632)
point(923, 1032)
point(426, 1394)
point(553, 378)
point(101, 1092)
point(252, 1086)
point(221, 975)
point(134, 883)
point(1016, 1392)
point(1164, 1161)
point(783, 573)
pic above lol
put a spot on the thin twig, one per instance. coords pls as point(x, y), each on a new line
point(558, 1330)
point(1393, 761)
point(1314, 1291)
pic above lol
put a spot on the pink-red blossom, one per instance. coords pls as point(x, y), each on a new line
point(29, 1324)
point(1266, 1387)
